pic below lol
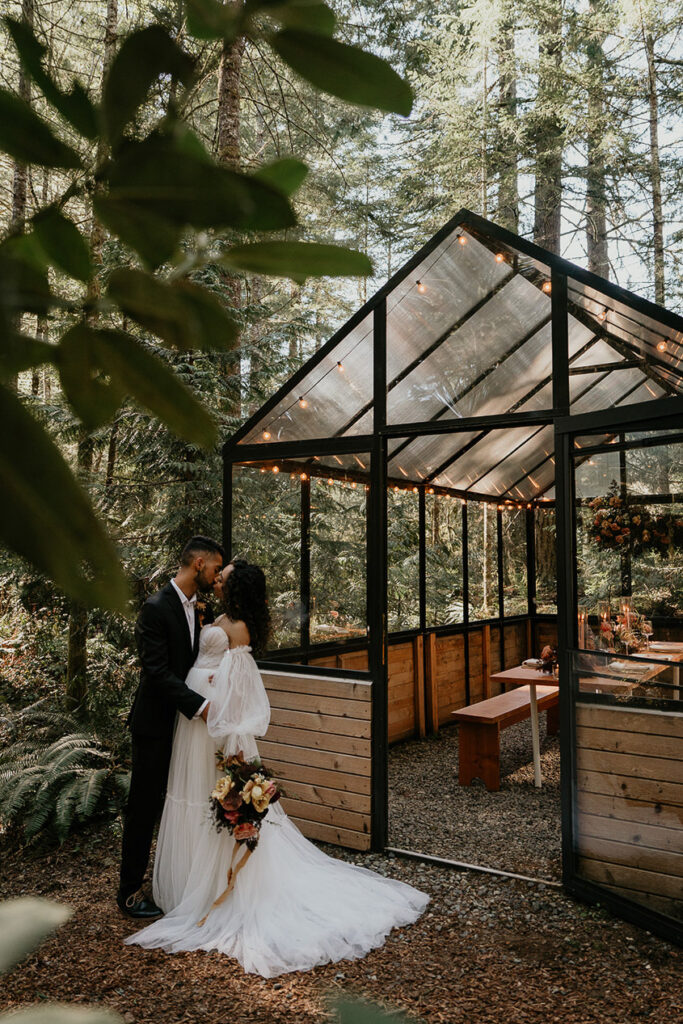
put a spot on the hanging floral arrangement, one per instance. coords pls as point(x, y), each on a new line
point(619, 524)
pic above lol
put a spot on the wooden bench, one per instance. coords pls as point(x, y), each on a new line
point(480, 725)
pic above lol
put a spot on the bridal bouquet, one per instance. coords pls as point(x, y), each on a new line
point(239, 803)
point(242, 796)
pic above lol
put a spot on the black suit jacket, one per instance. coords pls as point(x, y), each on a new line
point(166, 656)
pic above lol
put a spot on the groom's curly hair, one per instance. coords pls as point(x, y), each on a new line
point(245, 598)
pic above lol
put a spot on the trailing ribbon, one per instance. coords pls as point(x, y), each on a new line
point(233, 872)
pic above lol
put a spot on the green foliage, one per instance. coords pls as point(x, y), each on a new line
point(54, 776)
point(297, 260)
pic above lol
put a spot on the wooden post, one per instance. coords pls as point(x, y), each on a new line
point(419, 685)
point(431, 688)
point(486, 660)
point(529, 641)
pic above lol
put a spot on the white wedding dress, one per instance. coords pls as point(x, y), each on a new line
point(292, 906)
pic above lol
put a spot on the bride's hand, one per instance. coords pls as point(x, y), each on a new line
point(205, 712)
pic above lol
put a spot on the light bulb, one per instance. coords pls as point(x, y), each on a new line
point(547, 287)
point(303, 476)
point(422, 288)
point(303, 402)
point(330, 481)
point(430, 491)
point(414, 490)
point(276, 469)
point(340, 367)
point(354, 484)
point(661, 346)
point(499, 257)
point(462, 239)
point(266, 435)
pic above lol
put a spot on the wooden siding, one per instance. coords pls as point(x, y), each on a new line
point(318, 744)
point(630, 803)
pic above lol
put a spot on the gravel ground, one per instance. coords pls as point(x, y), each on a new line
point(487, 951)
point(516, 829)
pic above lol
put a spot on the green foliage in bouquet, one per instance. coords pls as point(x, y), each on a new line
point(54, 776)
point(620, 524)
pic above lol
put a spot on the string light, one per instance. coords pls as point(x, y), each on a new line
point(421, 287)
point(303, 402)
point(462, 239)
point(547, 287)
point(430, 491)
point(661, 346)
point(396, 487)
point(340, 367)
point(330, 481)
point(415, 489)
point(354, 484)
point(500, 257)
point(266, 435)
point(276, 469)
point(303, 477)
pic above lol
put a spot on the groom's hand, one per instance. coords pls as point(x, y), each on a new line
point(205, 712)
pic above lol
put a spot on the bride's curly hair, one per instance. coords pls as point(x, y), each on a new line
point(245, 598)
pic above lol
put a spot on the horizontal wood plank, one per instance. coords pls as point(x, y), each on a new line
point(660, 904)
point(630, 765)
point(333, 798)
point(315, 758)
point(331, 834)
point(286, 771)
point(638, 743)
point(634, 833)
point(322, 705)
point(650, 790)
point(318, 740)
point(651, 723)
point(341, 688)
point(636, 811)
point(630, 877)
point(326, 723)
point(327, 815)
point(612, 852)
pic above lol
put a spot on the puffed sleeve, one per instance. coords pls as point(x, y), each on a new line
point(239, 706)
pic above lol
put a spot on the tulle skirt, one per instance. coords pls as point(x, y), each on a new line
point(292, 907)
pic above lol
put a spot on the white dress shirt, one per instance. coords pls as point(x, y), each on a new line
point(189, 604)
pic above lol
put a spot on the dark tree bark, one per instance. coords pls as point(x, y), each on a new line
point(655, 171)
point(508, 149)
point(596, 171)
point(548, 130)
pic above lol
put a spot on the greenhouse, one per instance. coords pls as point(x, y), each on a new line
point(482, 466)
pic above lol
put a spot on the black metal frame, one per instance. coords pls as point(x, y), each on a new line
point(566, 426)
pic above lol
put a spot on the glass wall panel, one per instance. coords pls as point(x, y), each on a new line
point(338, 559)
point(403, 543)
point(267, 531)
point(444, 560)
point(482, 537)
point(546, 562)
point(515, 598)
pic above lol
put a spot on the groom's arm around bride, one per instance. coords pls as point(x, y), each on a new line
point(167, 634)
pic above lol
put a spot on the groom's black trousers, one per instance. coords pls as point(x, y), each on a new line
point(151, 759)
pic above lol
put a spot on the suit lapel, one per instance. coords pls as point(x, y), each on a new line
point(197, 630)
point(179, 612)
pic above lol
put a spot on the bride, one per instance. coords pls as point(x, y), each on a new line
point(292, 907)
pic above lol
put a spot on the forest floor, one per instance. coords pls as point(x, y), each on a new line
point(487, 951)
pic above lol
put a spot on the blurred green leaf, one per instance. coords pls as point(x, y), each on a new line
point(308, 15)
point(93, 398)
point(63, 243)
point(154, 238)
point(20, 352)
point(47, 518)
point(344, 71)
point(158, 177)
point(24, 923)
point(287, 175)
point(75, 106)
point(207, 19)
point(142, 58)
point(297, 260)
point(25, 137)
point(184, 315)
point(154, 386)
point(23, 283)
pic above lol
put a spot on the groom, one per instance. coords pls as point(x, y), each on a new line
point(167, 633)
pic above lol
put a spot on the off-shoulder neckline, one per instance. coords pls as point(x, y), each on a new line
point(239, 647)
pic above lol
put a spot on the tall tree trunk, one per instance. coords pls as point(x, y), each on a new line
point(596, 173)
point(229, 152)
point(507, 147)
point(549, 132)
point(655, 171)
point(77, 658)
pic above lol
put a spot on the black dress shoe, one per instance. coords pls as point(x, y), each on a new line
point(138, 906)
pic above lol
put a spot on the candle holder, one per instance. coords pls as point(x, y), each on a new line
point(582, 620)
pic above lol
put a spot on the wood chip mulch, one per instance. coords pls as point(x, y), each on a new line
point(488, 951)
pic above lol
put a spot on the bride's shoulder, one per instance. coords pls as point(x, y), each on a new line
point(238, 634)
